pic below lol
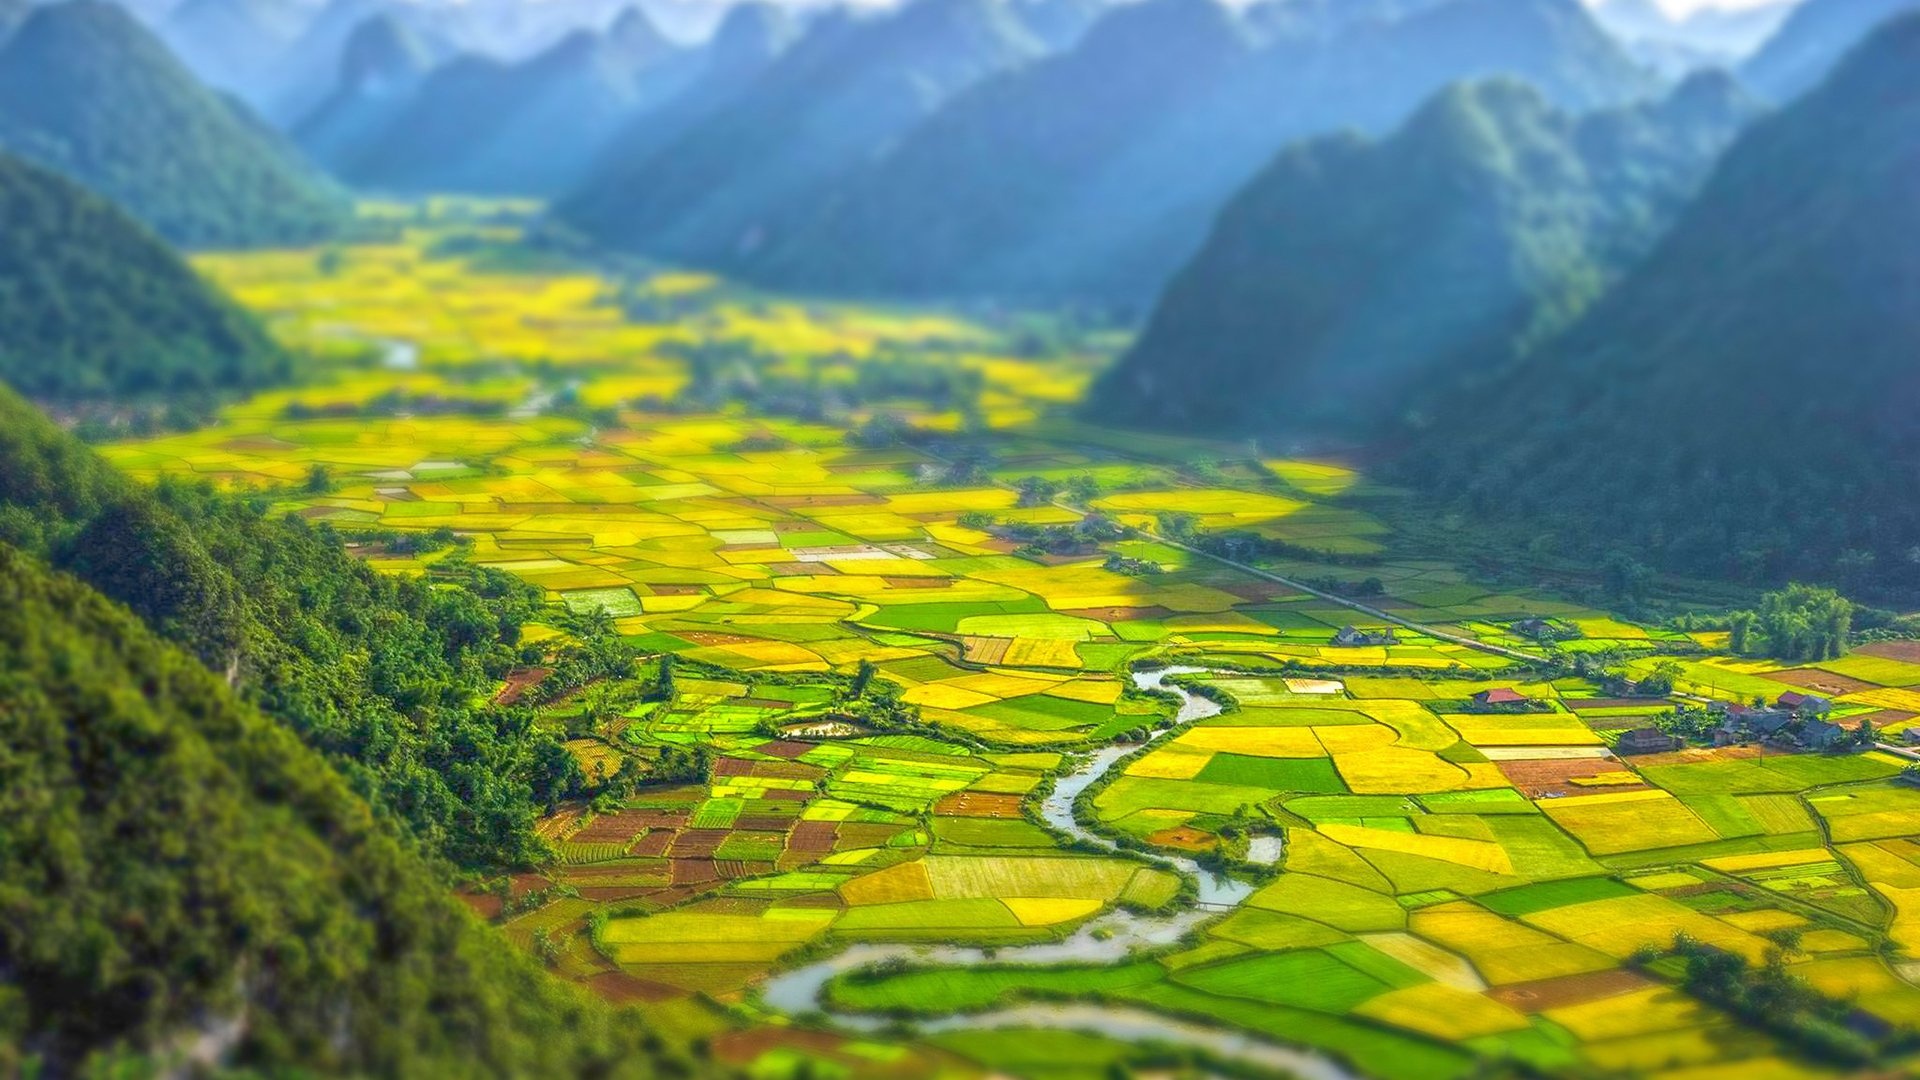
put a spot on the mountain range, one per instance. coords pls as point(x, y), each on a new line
point(838, 97)
point(1353, 279)
point(1087, 174)
point(86, 91)
point(476, 124)
point(92, 305)
point(1741, 404)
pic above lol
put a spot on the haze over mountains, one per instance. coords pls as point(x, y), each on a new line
point(1090, 173)
point(1353, 279)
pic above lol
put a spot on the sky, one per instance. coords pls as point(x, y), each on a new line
point(1685, 7)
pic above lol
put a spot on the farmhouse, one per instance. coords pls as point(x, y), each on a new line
point(1805, 704)
point(1350, 636)
point(1500, 696)
point(1911, 736)
point(1645, 740)
point(1821, 735)
point(1533, 628)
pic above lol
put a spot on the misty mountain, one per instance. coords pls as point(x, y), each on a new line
point(1354, 278)
point(93, 305)
point(745, 44)
point(1813, 39)
point(382, 66)
point(1094, 174)
point(480, 125)
point(88, 92)
point(838, 97)
point(1742, 403)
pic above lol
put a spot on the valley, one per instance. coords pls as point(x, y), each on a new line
point(928, 727)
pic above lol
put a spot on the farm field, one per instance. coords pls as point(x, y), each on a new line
point(866, 649)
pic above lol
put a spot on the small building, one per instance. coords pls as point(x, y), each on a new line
point(1911, 736)
point(1500, 696)
point(1821, 735)
point(1535, 628)
point(1645, 740)
point(1805, 704)
point(1351, 636)
point(1767, 721)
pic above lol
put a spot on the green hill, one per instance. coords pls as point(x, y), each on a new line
point(1742, 404)
point(181, 878)
point(88, 92)
point(92, 305)
point(382, 675)
point(1352, 279)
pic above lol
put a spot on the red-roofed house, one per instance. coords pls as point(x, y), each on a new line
point(1500, 696)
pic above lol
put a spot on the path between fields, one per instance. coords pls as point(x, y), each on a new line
point(1335, 598)
point(1355, 605)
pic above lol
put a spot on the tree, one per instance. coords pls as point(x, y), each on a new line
point(862, 678)
point(319, 480)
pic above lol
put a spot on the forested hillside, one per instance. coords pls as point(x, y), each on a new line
point(88, 92)
point(379, 673)
point(1743, 403)
point(93, 306)
point(1353, 280)
point(180, 877)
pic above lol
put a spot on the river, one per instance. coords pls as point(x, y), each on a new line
point(1111, 938)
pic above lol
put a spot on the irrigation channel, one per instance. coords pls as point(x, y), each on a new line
point(1109, 939)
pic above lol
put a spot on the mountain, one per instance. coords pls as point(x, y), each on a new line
point(841, 95)
point(1812, 39)
point(93, 305)
point(1741, 404)
point(88, 92)
point(744, 45)
point(480, 125)
point(382, 65)
point(1094, 174)
point(180, 872)
point(1352, 277)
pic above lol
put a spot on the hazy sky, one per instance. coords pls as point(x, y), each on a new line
point(1684, 6)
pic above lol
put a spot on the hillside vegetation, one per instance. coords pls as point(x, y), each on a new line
point(93, 305)
point(379, 673)
point(179, 876)
point(1742, 403)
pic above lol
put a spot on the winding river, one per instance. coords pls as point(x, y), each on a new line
point(1110, 938)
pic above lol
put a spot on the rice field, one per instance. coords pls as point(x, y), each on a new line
point(1460, 886)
